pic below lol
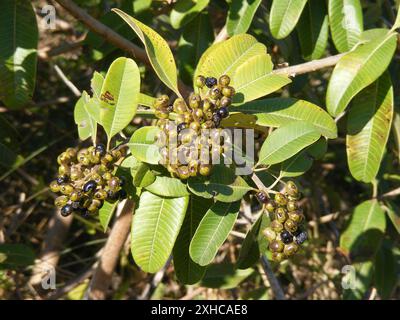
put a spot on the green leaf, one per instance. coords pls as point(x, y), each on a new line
point(296, 165)
point(364, 233)
point(253, 244)
point(253, 79)
point(240, 15)
point(87, 126)
point(188, 271)
point(284, 16)
point(120, 93)
point(368, 127)
point(393, 211)
point(158, 51)
point(286, 141)
point(361, 279)
point(143, 176)
point(168, 187)
point(386, 272)
point(197, 36)
point(185, 11)
point(18, 54)
point(8, 158)
point(106, 212)
point(358, 69)
point(396, 129)
point(346, 21)
point(212, 231)
point(225, 57)
point(396, 23)
point(96, 85)
point(224, 276)
point(223, 185)
point(277, 112)
point(142, 145)
point(14, 256)
point(313, 30)
point(155, 226)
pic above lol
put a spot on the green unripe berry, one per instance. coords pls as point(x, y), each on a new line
point(291, 189)
point(63, 170)
point(71, 152)
point(292, 205)
point(200, 82)
point(280, 215)
point(100, 194)
point(54, 186)
point(228, 92)
point(215, 93)
point(224, 80)
point(269, 234)
point(270, 207)
point(280, 199)
point(61, 201)
point(113, 183)
point(296, 216)
point(194, 100)
point(107, 175)
point(161, 114)
point(76, 195)
point(290, 225)
point(66, 189)
point(290, 249)
point(225, 102)
point(276, 226)
point(276, 246)
point(205, 169)
point(278, 256)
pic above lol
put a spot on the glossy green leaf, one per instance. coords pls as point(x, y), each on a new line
point(359, 68)
point(225, 57)
point(223, 185)
point(224, 276)
point(96, 85)
point(396, 129)
point(346, 21)
point(313, 30)
point(155, 227)
point(254, 244)
point(185, 11)
point(359, 280)
point(277, 112)
point(18, 53)
point(143, 176)
point(240, 15)
point(212, 231)
point(119, 96)
point(14, 256)
point(168, 187)
point(393, 211)
point(284, 16)
point(106, 212)
point(253, 79)
point(142, 145)
point(296, 165)
point(196, 37)
point(158, 51)
point(386, 271)
point(188, 271)
point(363, 235)
point(368, 127)
point(87, 126)
point(286, 141)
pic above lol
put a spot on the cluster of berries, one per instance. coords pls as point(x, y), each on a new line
point(183, 138)
point(86, 179)
point(285, 234)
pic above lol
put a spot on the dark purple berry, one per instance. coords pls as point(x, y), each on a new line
point(211, 82)
point(66, 210)
point(216, 119)
point(301, 237)
point(223, 112)
point(62, 179)
point(262, 197)
point(181, 126)
point(286, 237)
point(101, 149)
point(122, 194)
point(122, 181)
point(89, 186)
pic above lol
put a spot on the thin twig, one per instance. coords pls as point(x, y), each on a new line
point(157, 278)
point(273, 281)
point(222, 35)
point(67, 82)
point(101, 280)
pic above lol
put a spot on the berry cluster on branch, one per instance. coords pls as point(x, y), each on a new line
point(87, 179)
point(203, 111)
point(285, 233)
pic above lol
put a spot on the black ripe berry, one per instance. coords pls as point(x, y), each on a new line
point(122, 181)
point(101, 149)
point(262, 197)
point(286, 237)
point(89, 186)
point(181, 126)
point(122, 194)
point(66, 210)
point(301, 237)
point(216, 118)
point(210, 82)
point(223, 112)
point(62, 179)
